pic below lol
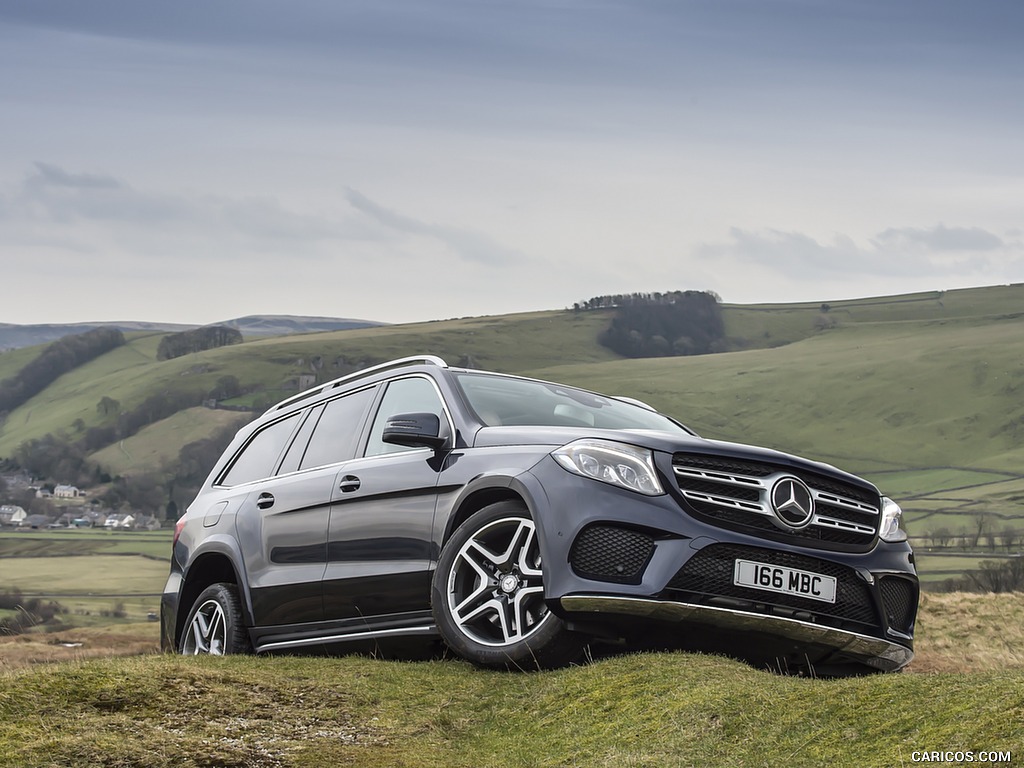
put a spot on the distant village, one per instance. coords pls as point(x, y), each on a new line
point(71, 509)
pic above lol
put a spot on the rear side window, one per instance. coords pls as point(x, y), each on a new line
point(335, 434)
point(290, 462)
point(257, 459)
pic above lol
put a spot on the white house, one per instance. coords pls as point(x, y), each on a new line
point(12, 515)
point(67, 492)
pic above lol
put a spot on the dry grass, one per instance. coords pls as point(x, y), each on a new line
point(19, 651)
point(967, 632)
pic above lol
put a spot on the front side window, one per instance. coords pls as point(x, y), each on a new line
point(257, 459)
point(335, 435)
point(415, 395)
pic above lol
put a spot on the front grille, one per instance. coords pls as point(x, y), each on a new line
point(899, 599)
point(709, 575)
point(611, 553)
point(736, 494)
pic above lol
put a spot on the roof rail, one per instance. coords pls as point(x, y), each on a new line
point(422, 359)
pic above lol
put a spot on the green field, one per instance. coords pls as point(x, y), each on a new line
point(118, 575)
point(86, 541)
point(90, 572)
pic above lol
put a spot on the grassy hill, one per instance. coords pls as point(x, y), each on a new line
point(132, 373)
point(921, 392)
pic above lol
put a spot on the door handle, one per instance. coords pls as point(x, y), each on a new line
point(265, 500)
point(348, 484)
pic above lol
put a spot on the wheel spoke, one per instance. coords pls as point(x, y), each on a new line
point(529, 559)
point(469, 607)
point(487, 556)
point(197, 639)
point(216, 634)
point(208, 630)
point(520, 543)
point(478, 557)
point(522, 608)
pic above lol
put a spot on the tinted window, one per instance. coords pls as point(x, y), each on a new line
point(258, 458)
point(504, 401)
point(291, 459)
point(335, 434)
point(403, 396)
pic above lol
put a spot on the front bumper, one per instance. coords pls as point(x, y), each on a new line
point(829, 645)
point(616, 561)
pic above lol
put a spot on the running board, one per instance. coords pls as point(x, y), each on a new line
point(348, 638)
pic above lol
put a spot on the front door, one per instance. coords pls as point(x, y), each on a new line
point(380, 541)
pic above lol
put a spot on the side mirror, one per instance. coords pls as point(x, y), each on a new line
point(416, 430)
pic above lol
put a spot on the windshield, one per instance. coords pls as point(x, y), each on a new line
point(500, 401)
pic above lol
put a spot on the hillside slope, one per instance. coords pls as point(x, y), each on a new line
point(921, 393)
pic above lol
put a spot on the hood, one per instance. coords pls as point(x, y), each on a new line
point(665, 442)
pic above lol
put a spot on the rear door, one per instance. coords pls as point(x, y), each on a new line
point(283, 526)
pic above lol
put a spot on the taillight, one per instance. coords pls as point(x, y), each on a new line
point(177, 531)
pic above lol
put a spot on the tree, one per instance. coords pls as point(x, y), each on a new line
point(197, 340)
point(226, 388)
point(645, 323)
point(982, 524)
point(57, 359)
point(107, 406)
point(993, 576)
point(943, 537)
point(1010, 538)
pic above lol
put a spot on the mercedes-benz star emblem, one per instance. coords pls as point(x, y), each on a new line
point(792, 502)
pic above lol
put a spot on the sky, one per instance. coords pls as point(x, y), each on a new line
point(409, 160)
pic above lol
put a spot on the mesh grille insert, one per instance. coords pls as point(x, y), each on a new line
point(611, 553)
point(899, 598)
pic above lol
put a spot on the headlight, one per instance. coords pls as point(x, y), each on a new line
point(612, 463)
point(892, 515)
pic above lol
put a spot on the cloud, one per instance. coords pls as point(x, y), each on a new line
point(941, 238)
point(468, 245)
point(58, 177)
point(53, 201)
point(68, 214)
point(895, 252)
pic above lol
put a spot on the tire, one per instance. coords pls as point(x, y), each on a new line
point(487, 594)
point(215, 625)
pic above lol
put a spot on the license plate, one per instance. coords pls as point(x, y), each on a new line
point(787, 581)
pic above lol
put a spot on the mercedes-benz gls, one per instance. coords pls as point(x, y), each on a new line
point(519, 520)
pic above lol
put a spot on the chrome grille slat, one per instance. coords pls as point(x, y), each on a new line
point(843, 525)
point(840, 501)
point(723, 501)
point(750, 482)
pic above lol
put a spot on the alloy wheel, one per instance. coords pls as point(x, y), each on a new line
point(495, 589)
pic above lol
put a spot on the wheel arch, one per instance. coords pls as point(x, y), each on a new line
point(210, 567)
point(476, 499)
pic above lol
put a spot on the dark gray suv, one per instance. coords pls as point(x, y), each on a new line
point(519, 520)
